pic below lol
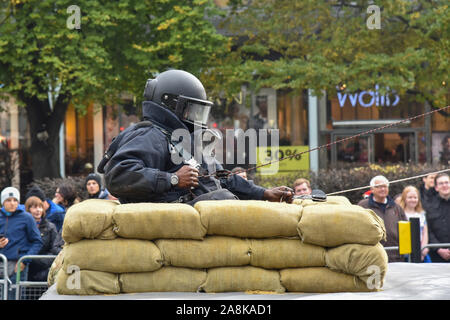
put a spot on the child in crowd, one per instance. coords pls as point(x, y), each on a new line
point(52, 241)
point(412, 205)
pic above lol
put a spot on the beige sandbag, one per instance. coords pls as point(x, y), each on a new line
point(331, 225)
point(55, 267)
point(367, 262)
point(117, 256)
point(213, 251)
point(330, 200)
point(166, 279)
point(284, 253)
point(338, 200)
point(89, 219)
point(249, 218)
point(158, 221)
point(87, 282)
point(320, 280)
point(238, 279)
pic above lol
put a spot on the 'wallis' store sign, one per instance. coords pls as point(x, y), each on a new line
point(368, 99)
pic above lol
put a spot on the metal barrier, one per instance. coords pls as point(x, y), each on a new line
point(5, 280)
point(436, 245)
point(430, 245)
point(30, 284)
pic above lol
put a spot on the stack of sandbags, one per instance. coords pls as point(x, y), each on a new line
point(220, 246)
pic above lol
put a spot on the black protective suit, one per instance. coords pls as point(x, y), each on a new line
point(140, 169)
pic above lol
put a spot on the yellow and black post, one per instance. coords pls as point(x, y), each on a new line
point(404, 237)
point(409, 239)
point(416, 254)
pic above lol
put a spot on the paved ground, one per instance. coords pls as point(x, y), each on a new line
point(404, 281)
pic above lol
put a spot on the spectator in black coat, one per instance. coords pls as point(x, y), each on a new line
point(52, 241)
point(438, 218)
point(427, 191)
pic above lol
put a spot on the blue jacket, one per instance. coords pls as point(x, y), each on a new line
point(23, 234)
point(140, 169)
point(55, 214)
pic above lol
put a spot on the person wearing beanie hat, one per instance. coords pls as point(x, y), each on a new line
point(95, 177)
point(10, 192)
point(19, 234)
point(94, 188)
point(37, 192)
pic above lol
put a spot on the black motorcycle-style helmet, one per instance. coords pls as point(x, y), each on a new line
point(182, 93)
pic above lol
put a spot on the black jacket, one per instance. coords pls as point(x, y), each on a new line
point(438, 221)
point(140, 169)
point(427, 196)
point(52, 245)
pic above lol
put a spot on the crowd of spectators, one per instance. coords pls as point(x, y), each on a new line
point(430, 203)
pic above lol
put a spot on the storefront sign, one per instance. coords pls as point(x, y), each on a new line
point(368, 99)
point(296, 162)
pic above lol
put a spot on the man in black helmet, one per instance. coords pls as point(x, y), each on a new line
point(141, 166)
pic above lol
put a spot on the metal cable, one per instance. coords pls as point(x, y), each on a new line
point(341, 140)
point(390, 182)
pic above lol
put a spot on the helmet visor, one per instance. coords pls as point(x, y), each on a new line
point(196, 112)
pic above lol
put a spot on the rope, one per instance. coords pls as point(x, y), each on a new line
point(342, 140)
point(390, 182)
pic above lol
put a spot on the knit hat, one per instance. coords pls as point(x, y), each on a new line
point(10, 192)
point(37, 192)
point(95, 177)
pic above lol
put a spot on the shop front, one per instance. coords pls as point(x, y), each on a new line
point(306, 122)
point(409, 142)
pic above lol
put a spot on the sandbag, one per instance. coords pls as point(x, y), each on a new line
point(330, 200)
point(285, 253)
point(367, 262)
point(249, 218)
point(166, 279)
point(89, 219)
point(331, 225)
point(158, 221)
point(87, 282)
point(237, 279)
point(320, 280)
point(213, 251)
point(55, 267)
point(117, 256)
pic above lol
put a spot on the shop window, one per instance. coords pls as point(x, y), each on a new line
point(422, 147)
point(440, 148)
point(79, 141)
point(292, 119)
point(393, 147)
point(117, 118)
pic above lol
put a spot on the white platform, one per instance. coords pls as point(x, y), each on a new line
point(404, 281)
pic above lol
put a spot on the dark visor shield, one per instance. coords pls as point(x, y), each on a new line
point(197, 112)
